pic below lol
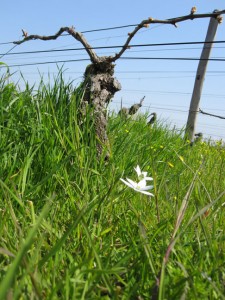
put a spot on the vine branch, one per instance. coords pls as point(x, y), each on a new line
point(70, 30)
point(173, 21)
point(145, 23)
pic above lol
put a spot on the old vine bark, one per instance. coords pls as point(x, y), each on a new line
point(100, 89)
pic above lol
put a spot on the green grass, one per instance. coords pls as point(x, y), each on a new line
point(70, 229)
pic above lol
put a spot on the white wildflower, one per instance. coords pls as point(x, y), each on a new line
point(140, 186)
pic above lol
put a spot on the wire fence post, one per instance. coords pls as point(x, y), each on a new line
point(199, 80)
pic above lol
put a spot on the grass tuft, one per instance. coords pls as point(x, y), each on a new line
point(70, 229)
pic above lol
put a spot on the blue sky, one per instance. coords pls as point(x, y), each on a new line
point(167, 85)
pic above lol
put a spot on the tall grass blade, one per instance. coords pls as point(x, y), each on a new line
point(11, 273)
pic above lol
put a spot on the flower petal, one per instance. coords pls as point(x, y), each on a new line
point(148, 178)
point(132, 183)
point(141, 184)
point(138, 170)
point(147, 187)
point(146, 193)
point(127, 183)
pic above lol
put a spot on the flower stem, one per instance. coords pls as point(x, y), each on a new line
point(157, 208)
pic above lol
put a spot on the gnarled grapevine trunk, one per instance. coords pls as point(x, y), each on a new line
point(100, 89)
